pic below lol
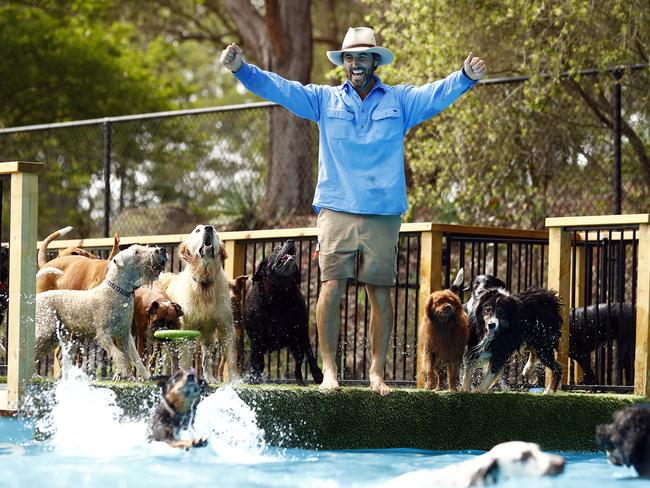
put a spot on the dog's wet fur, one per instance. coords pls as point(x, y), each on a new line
point(444, 337)
point(505, 461)
point(276, 314)
point(627, 439)
point(181, 393)
point(506, 323)
point(591, 327)
point(479, 285)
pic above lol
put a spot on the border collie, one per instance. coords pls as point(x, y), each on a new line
point(506, 323)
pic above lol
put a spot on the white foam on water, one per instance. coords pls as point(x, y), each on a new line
point(85, 420)
point(231, 428)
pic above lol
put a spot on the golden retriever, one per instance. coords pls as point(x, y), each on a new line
point(202, 291)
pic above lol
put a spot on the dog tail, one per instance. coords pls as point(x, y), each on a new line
point(42, 252)
point(48, 270)
point(116, 246)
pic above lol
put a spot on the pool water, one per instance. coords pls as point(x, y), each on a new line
point(90, 443)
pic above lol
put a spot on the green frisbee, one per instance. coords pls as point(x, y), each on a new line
point(176, 334)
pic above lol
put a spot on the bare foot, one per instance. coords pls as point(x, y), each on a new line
point(378, 386)
point(329, 382)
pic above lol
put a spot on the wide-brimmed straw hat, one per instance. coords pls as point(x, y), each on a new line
point(360, 39)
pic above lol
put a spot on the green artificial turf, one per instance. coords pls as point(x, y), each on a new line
point(355, 418)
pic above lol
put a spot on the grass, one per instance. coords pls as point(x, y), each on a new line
point(355, 418)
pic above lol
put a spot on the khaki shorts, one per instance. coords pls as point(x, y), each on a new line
point(358, 246)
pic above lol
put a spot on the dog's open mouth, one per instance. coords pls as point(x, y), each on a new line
point(206, 250)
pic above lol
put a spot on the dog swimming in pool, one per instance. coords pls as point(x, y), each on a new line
point(180, 395)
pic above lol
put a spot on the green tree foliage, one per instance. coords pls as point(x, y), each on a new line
point(66, 60)
point(514, 154)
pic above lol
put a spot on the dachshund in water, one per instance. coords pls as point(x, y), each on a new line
point(444, 336)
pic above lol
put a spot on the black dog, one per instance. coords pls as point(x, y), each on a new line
point(590, 328)
point(506, 323)
point(276, 314)
point(627, 440)
point(176, 411)
point(478, 286)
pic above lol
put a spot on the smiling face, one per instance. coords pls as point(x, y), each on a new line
point(360, 69)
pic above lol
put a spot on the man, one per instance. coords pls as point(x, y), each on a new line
point(361, 189)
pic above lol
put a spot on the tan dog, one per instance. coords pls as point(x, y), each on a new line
point(153, 311)
point(201, 289)
point(444, 337)
point(237, 289)
point(103, 313)
point(74, 269)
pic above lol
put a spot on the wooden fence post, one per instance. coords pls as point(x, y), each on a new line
point(642, 352)
point(22, 278)
point(234, 265)
point(559, 279)
point(430, 280)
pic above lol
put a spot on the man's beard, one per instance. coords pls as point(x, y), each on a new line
point(361, 82)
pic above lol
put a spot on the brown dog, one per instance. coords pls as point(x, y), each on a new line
point(153, 311)
point(444, 337)
point(181, 393)
point(237, 288)
point(74, 269)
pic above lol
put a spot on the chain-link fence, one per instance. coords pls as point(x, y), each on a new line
point(163, 173)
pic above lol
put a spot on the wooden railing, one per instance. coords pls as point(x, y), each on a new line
point(438, 251)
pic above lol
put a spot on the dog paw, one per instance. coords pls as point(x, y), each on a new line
point(201, 442)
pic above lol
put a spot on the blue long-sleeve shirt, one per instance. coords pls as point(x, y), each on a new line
point(361, 149)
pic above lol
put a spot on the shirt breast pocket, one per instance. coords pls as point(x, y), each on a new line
point(339, 123)
point(387, 123)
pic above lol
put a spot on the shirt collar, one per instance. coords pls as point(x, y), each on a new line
point(347, 86)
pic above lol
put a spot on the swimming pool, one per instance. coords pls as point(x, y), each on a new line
point(90, 443)
point(31, 464)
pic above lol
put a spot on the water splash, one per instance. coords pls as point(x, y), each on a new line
point(230, 427)
point(84, 420)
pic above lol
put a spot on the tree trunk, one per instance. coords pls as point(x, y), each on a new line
point(282, 43)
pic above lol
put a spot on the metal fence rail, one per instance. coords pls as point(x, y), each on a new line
point(603, 318)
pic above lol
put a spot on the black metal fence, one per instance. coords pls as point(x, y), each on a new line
point(603, 321)
point(602, 324)
point(520, 261)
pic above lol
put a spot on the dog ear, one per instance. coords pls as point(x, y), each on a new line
point(178, 308)
point(151, 309)
point(259, 273)
point(222, 252)
point(241, 280)
point(184, 253)
point(429, 308)
point(161, 381)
